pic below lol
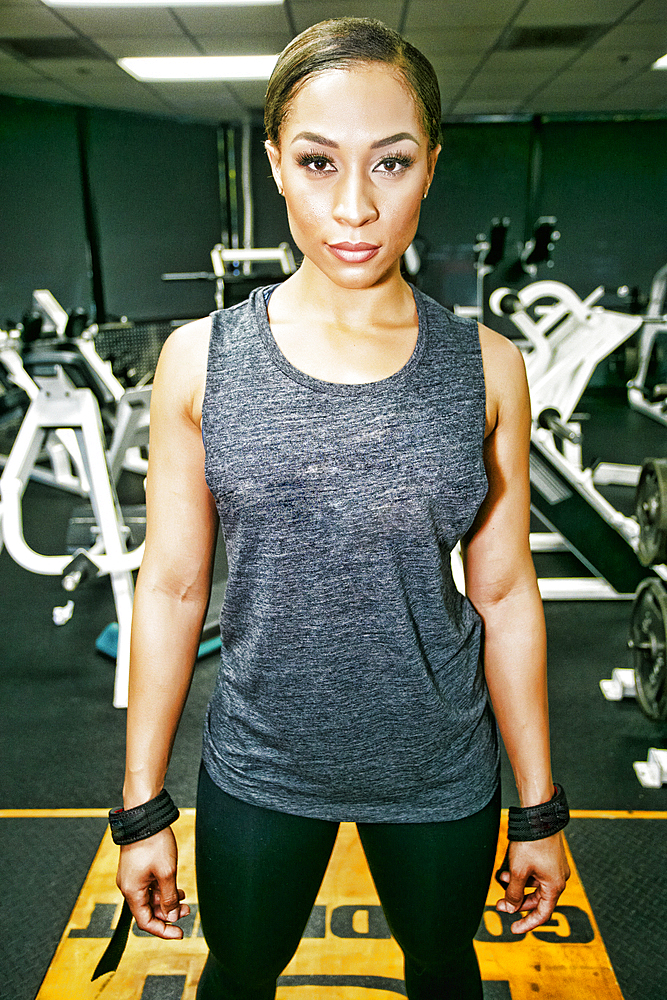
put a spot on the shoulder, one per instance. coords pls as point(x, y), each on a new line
point(188, 342)
point(182, 366)
point(504, 375)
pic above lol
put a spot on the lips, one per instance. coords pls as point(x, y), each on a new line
point(353, 253)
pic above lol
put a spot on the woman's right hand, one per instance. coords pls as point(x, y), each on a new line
point(147, 879)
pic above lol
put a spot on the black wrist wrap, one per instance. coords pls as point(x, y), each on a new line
point(130, 825)
point(537, 822)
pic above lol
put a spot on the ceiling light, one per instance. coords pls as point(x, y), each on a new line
point(660, 63)
point(158, 3)
point(199, 67)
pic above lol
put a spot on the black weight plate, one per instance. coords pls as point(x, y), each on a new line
point(648, 625)
point(651, 511)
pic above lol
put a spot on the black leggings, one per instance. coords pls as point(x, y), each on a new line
point(259, 872)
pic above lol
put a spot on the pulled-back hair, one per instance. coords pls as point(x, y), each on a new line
point(343, 42)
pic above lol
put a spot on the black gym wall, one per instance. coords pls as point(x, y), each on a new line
point(97, 204)
point(42, 224)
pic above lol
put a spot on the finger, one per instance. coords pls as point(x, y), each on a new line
point(142, 912)
point(161, 911)
point(514, 895)
point(169, 896)
point(183, 911)
point(542, 912)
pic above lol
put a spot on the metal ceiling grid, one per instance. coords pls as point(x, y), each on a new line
point(596, 58)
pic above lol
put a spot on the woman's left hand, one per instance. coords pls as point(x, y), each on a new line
point(540, 865)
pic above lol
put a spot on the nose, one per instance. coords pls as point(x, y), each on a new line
point(354, 200)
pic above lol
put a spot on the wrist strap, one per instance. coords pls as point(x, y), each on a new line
point(130, 825)
point(537, 822)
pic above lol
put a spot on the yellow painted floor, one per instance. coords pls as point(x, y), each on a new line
point(344, 955)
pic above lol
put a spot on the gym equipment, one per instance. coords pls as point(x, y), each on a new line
point(49, 340)
point(648, 627)
point(538, 249)
point(69, 385)
point(653, 403)
point(651, 509)
point(565, 339)
point(221, 256)
point(489, 251)
point(652, 773)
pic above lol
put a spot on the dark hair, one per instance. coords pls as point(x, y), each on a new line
point(343, 42)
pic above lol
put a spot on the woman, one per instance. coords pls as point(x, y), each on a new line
point(353, 431)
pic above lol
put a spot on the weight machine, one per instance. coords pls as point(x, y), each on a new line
point(221, 257)
point(565, 339)
point(490, 250)
point(69, 387)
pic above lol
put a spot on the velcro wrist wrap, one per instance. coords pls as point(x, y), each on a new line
point(130, 825)
point(538, 822)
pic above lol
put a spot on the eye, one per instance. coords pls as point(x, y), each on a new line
point(395, 164)
point(316, 163)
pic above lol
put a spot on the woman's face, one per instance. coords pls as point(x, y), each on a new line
point(354, 166)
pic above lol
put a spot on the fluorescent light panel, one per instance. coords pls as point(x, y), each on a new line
point(660, 63)
point(158, 3)
point(199, 67)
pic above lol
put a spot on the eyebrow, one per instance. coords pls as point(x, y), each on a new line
point(321, 140)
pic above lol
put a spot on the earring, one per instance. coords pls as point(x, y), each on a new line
point(281, 192)
point(424, 194)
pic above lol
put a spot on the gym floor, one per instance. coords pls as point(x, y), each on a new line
point(63, 744)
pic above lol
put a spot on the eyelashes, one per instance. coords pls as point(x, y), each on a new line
point(398, 161)
point(307, 159)
point(403, 160)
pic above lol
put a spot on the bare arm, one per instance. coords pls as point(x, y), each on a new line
point(170, 603)
point(501, 583)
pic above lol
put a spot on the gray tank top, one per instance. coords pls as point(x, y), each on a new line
point(350, 685)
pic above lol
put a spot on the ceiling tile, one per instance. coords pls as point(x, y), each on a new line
point(307, 12)
point(12, 69)
point(450, 88)
point(650, 10)
point(39, 89)
point(250, 92)
point(614, 65)
point(23, 21)
point(453, 41)
point(110, 97)
point(233, 20)
point(459, 13)
point(213, 96)
point(461, 65)
point(241, 45)
point(489, 106)
point(558, 104)
point(549, 12)
point(502, 86)
point(653, 84)
point(575, 84)
point(128, 22)
point(529, 61)
point(119, 47)
point(644, 37)
point(35, 4)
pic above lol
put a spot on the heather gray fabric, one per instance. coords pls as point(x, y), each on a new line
point(350, 685)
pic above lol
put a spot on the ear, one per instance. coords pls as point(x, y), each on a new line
point(273, 153)
point(432, 160)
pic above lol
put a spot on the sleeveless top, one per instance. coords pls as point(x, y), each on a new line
point(350, 685)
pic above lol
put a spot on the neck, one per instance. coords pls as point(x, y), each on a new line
point(385, 303)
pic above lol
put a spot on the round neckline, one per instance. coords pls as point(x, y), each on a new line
point(260, 306)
